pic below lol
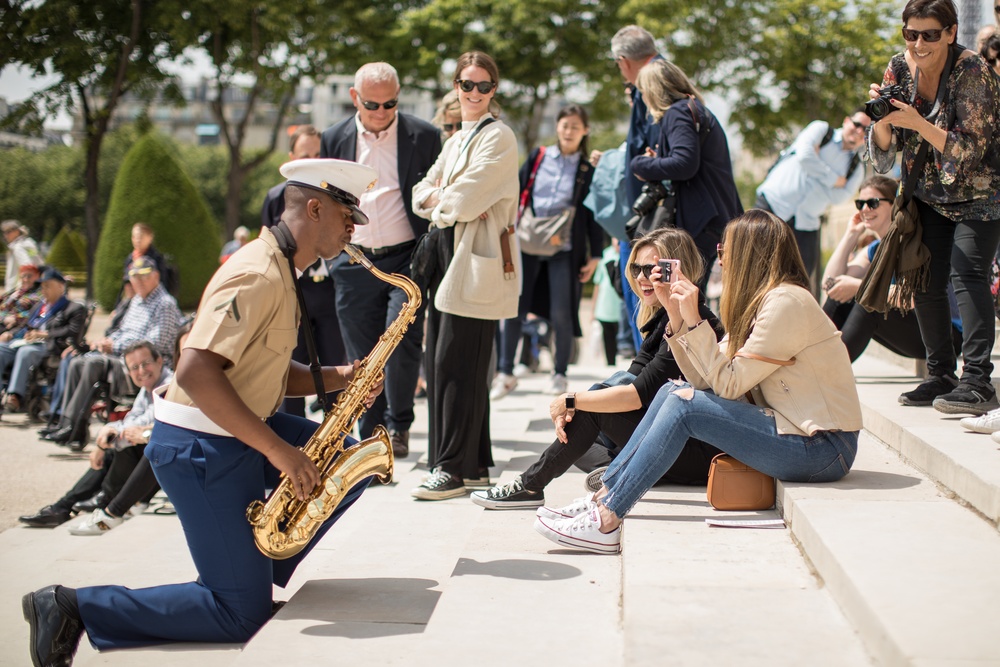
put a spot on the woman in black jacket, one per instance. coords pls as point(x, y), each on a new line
point(553, 179)
point(693, 153)
point(616, 406)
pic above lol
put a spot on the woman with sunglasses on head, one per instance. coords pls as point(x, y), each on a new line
point(617, 405)
point(470, 198)
point(951, 100)
point(554, 182)
point(846, 269)
point(448, 116)
point(692, 153)
point(780, 349)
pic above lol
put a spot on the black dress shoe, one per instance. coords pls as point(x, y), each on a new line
point(54, 633)
point(47, 517)
point(99, 499)
point(400, 443)
point(62, 434)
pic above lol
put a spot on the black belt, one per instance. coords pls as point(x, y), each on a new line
point(385, 251)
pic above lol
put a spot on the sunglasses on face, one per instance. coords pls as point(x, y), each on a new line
point(644, 269)
point(872, 203)
point(373, 106)
point(857, 124)
point(482, 86)
point(928, 35)
point(452, 127)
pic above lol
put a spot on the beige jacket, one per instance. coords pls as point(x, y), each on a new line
point(815, 392)
point(481, 178)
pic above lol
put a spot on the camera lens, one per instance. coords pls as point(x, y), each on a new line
point(879, 108)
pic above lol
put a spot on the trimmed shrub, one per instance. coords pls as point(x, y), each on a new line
point(152, 187)
point(69, 254)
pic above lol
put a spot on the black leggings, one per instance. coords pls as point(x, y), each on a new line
point(140, 486)
point(900, 333)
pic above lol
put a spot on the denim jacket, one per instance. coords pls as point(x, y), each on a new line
point(815, 392)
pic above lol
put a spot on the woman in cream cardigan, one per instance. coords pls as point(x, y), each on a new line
point(472, 189)
point(781, 349)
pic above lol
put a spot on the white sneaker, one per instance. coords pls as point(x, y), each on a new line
point(503, 384)
point(595, 480)
point(988, 423)
point(97, 523)
point(522, 370)
point(995, 436)
point(582, 532)
point(136, 510)
point(559, 384)
point(571, 511)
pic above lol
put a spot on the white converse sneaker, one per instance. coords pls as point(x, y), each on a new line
point(559, 384)
point(503, 384)
point(97, 523)
point(574, 509)
point(582, 532)
point(595, 480)
point(988, 423)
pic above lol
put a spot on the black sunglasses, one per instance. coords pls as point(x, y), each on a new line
point(452, 127)
point(373, 106)
point(872, 203)
point(858, 125)
point(467, 86)
point(928, 35)
point(644, 269)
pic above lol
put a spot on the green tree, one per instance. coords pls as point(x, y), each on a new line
point(98, 51)
point(781, 63)
point(152, 187)
point(65, 253)
point(542, 48)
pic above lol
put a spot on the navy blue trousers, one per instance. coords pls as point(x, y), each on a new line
point(210, 480)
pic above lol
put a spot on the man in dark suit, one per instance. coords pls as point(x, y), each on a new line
point(401, 148)
point(316, 282)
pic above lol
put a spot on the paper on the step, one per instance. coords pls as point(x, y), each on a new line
point(746, 523)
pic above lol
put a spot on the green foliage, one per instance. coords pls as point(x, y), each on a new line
point(782, 63)
point(43, 190)
point(152, 187)
point(68, 252)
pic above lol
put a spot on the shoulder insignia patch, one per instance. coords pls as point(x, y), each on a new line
point(230, 308)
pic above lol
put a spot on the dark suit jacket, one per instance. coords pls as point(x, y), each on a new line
point(700, 168)
point(418, 148)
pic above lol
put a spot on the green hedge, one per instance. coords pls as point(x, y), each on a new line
point(152, 187)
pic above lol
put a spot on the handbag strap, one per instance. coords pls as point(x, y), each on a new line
point(531, 182)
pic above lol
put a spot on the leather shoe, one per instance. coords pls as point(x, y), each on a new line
point(62, 434)
point(54, 633)
point(47, 517)
point(99, 500)
point(400, 443)
point(48, 429)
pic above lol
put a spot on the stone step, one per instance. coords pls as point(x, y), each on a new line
point(966, 464)
point(914, 572)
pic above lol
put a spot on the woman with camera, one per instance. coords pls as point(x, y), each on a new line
point(693, 154)
point(846, 268)
point(949, 113)
point(777, 392)
point(554, 182)
point(615, 406)
point(470, 197)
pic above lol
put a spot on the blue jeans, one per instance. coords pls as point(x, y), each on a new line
point(560, 278)
point(742, 430)
point(23, 358)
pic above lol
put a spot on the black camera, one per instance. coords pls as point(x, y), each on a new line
point(880, 107)
point(652, 193)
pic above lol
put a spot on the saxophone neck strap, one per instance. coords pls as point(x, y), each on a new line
point(286, 243)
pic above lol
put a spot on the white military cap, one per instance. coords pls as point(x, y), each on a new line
point(345, 181)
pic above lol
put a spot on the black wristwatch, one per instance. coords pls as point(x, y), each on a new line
point(570, 402)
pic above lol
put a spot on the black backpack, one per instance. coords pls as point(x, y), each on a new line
point(855, 159)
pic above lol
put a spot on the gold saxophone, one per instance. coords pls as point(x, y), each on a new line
point(282, 524)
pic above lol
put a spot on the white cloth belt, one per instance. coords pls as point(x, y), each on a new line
point(184, 416)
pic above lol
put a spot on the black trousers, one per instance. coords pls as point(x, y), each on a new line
point(900, 333)
point(691, 466)
point(139, 486)
point(960, 252)
point(457, 364)
point(85, 488)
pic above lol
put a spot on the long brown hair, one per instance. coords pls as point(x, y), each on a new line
point(669, 243)
point(759, 253)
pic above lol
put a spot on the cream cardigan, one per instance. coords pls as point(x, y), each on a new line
point(481, 178)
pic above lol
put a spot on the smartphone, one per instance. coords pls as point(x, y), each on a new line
point(669, 270)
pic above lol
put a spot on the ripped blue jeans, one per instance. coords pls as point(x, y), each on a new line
point(742, 430)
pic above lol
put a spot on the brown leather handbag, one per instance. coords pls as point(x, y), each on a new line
point(733, 485)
